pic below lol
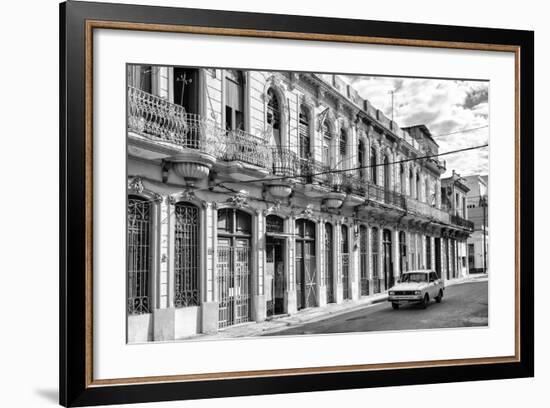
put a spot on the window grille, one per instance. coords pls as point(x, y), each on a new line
point(187, 255)
point(139, 256)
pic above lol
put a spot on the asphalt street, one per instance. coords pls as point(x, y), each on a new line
point(463, 305)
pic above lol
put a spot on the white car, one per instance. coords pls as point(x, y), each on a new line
point(416, 287)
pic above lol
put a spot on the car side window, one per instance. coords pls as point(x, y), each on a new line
point(433, 277)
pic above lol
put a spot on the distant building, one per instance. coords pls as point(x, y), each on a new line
point(477, 201)
point(453, 200)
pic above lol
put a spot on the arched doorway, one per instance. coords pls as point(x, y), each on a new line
point(387, 258)
point(233, 267)
point(344, 241)
point(306, 270)
point(329, 262)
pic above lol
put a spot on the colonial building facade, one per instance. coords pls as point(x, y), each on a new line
point(240, 207)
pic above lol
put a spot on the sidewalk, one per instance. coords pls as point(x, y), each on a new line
point(315, 314)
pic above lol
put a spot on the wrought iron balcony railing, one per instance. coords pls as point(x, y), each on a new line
point(285, 162)
point(457, 220)
point(247, 148)
point(427, 210)
point(158, 119)
point(383, 195)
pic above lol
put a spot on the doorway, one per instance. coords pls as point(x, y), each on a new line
point(388, 262)
point(275, 275)
point(306, 271)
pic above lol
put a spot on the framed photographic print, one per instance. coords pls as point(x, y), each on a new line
point(255, 204)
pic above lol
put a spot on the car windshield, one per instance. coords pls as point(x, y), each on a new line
point(414, 277)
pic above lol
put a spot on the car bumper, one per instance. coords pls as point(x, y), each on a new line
point(405, 299)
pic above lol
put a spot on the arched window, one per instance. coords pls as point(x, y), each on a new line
point(387, 174)
point(186, 255)
point(373, 167)
point(139, 255)
point(411, 183)
point(327, 139)
point(402, 177)
point(234, 99)
point(418, 188)
point(274, 115)
point(343, 148)
point(361, 158)
point(304, 134)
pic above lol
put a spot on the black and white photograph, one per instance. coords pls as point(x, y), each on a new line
point(277, 203)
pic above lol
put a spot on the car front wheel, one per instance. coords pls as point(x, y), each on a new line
point(395, 306)
point(425, 301)
point(439, 296)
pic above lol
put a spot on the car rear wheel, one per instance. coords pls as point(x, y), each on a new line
point(439, 296)
point(395, 306)
point(425, 301)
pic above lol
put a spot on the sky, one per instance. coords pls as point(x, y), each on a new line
point(444, 106)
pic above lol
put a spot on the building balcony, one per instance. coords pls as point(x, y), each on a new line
point(425, 210)
point(462, 222)
point(285, 163)
point(436, 164)
point(244, 156)
point(159, 129)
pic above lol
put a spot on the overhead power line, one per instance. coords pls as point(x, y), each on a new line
point(333, 171)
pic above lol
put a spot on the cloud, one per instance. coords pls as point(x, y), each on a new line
point(449, 108)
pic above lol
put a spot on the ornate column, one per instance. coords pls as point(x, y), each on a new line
point(395, 251)
point(338, 261)
point(259, 309)
point(320, 260)
point(290, 290)
point(210, 305)
point(381, 257)
point(354, 262)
